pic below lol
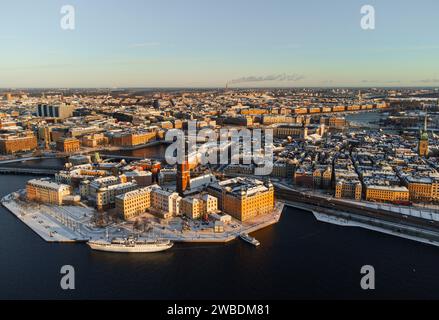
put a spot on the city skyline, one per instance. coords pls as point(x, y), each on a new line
point(245, 44)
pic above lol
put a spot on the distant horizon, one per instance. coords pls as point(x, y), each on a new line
point(216, 87)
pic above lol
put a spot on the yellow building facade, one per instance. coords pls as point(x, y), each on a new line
point(46, 191)
point(387, 193)
point(196, 207)
point(348, 189)
point(244, 198)
point(133, 203)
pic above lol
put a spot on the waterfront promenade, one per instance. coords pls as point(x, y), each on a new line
point(411, 223)
point(74, 224)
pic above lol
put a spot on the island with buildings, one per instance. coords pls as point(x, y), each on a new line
point(102, 200)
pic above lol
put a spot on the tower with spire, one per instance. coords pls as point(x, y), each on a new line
point(183, 173)
point(423, 139)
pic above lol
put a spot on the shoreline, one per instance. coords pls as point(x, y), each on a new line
point(71, 224)
point(347, 219)
point(62, 235)
point(349, 223)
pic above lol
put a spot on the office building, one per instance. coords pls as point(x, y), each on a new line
point(60, 111)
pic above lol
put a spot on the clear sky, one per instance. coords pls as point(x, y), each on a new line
point(203, 43)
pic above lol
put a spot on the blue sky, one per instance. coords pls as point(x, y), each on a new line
point(203, 43)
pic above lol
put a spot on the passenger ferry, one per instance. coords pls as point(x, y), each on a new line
point(130, 245)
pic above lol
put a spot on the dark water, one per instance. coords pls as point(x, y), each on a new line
point(157, 151)
point(299, 258)
point(364, 118)
point(55, 163)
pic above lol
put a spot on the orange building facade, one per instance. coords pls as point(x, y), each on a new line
point(10, 144)
point(68, 145)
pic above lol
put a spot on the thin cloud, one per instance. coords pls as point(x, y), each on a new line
point(275, 77)
point(380, 81)
point(428, 81)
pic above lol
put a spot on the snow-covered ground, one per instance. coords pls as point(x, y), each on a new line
point(413, 211)
point(428, 211)
point(389, 229)
point(199, 232)
point(73, 224)
point(44, 221)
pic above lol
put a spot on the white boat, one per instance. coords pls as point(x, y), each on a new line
point(130, 245)
point(249, 239)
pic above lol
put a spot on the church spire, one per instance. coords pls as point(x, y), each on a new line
point(425, 122)
point(423, 139)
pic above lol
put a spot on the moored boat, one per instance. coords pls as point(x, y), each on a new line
point(249, 239)
point(130, 245)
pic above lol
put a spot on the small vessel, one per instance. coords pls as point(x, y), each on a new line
point(249, 239)
point(130, 245)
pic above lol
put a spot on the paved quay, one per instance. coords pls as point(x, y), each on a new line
point(73, 224)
